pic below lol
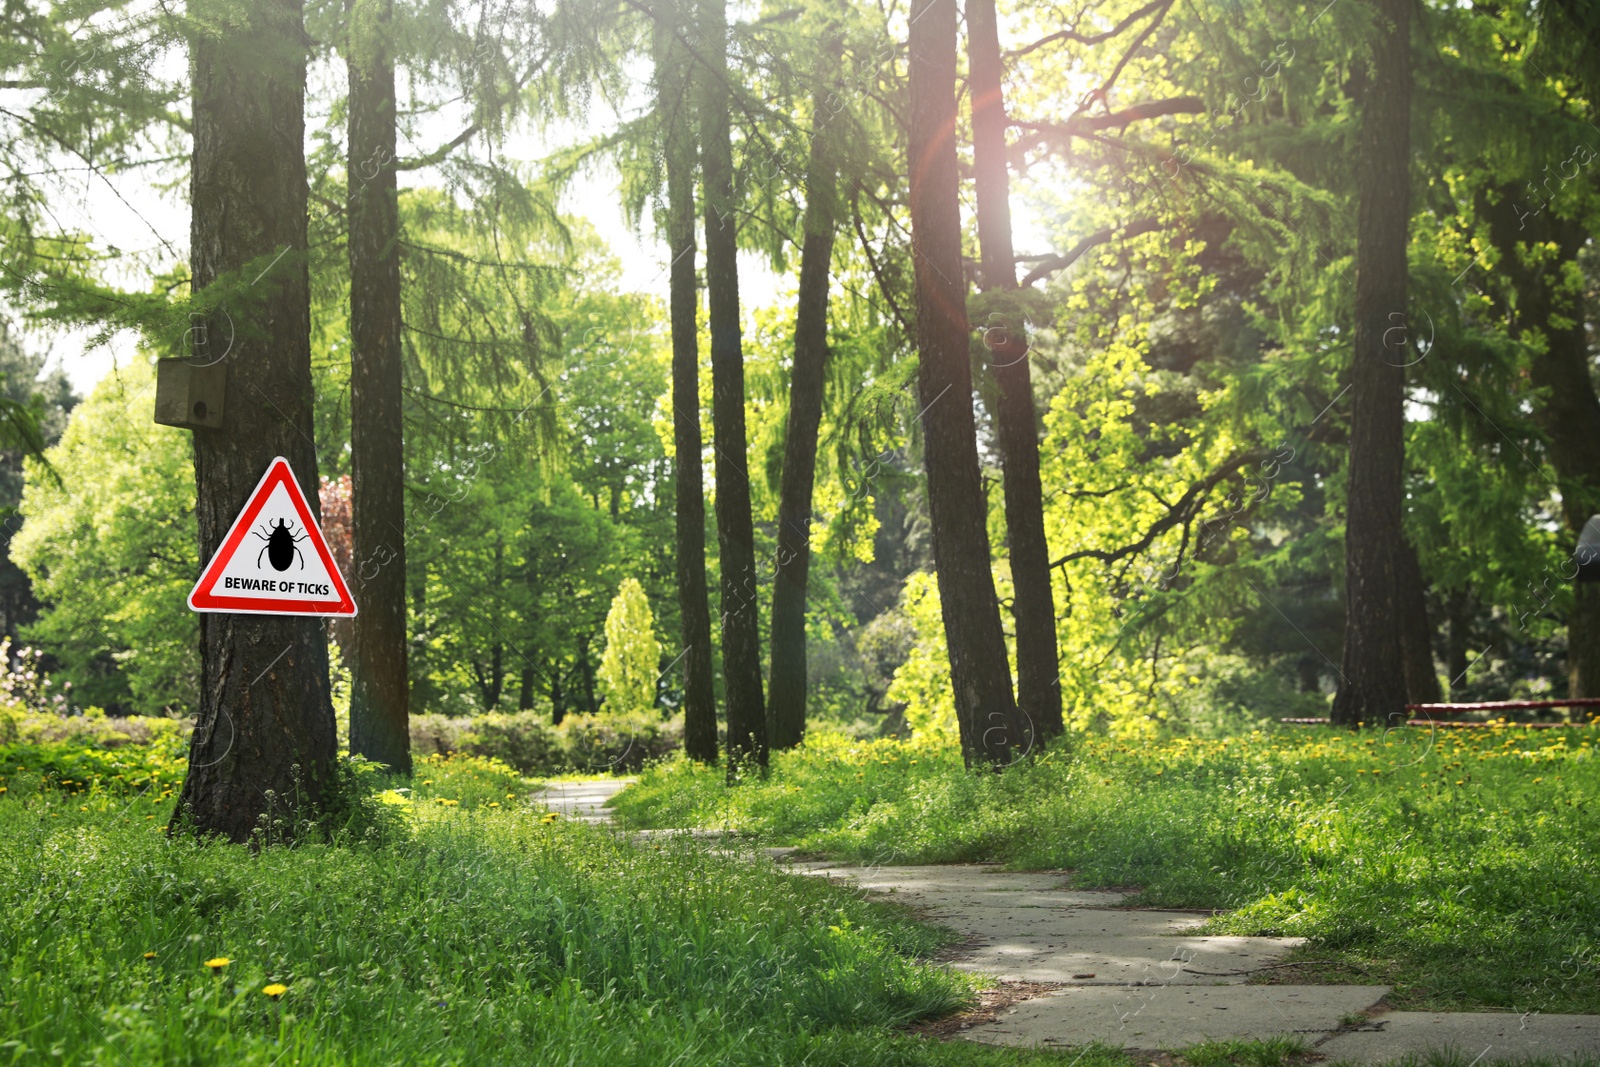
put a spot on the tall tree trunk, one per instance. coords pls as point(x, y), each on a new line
point(1552, 320)
point(265, 721)
point(525, 690)
point(586, 672)
point(1458, 663)
point(979, 673)
point(787, 707)
point(379, 689)
point(1372, 684)
point(1416, 633)
point(672, 100)
point(741, 631)
point(558, 705)
point(1032, 605)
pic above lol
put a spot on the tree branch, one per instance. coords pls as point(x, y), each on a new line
point(1089, 39)
point(1183, 512)
point(1084, 125)
point(1050, 264)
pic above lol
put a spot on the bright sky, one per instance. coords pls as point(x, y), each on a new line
point(150, 227)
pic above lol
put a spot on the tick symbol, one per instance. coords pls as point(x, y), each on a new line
point(281, 546)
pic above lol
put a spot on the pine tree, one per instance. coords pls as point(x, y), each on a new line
point(978, 670)
point(675, 112)
point(380, 686)
point(1033, 607)
point(787, 705)
point(1372, 681)
point(741, 630)
point(264, 743)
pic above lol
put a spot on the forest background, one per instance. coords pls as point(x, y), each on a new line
point(1185, 170)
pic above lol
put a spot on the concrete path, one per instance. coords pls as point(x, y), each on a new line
point(583, 801)
point(1139, 978)
point(1142, 978)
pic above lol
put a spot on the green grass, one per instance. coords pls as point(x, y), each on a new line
point(478, 932)
point(1461, 866)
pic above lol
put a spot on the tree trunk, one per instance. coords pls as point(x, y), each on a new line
point(699, 696)
point(1032, 605)
point(379, 689)
point(1416, 633)
point(787, 708)
point(265, 723)
point(741, 632)
point(558, 706)
point(1372, 683)
point(525, 690)
point(979, 673)
point(1569, 413)
point(1460, 624)
point(586, 672)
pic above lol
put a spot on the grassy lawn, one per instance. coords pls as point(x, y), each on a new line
point(1463, 866)
point(461, 925)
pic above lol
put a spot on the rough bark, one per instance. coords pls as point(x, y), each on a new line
point(741, 631)
point(1032, 604)
point(1416, 633)
point(787, 707)
point(979, 673)
point(1551, 319)
point(379, 684)
point(264, 742)
point(1372, 681)
point(699, 695)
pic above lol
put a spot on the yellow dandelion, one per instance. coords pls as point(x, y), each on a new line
point(216, 963)
point(1460, 782)
point(494, 803)
point(275, 990)
point(551, 817)
point(511, 796)
point(149, 955)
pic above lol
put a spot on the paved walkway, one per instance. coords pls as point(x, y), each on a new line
point(584, 801)
point(1142, 979)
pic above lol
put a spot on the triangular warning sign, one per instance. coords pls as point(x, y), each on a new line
point(274, 560)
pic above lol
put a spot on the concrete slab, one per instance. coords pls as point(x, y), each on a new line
point(1025, 927)
point(584, 801)
point(1174, 1016)
point(1472, 1036)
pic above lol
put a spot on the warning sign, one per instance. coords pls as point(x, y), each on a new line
point(274, 560)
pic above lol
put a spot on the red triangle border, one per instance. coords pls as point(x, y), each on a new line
point(204, 597)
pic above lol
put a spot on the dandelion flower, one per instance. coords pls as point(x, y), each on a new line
point(216, 963)
point(494, 803)
point(149, 955)
point(275, 990)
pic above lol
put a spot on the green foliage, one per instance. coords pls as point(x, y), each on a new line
point(631, 662)
point(111, 549)
point(1457, 865)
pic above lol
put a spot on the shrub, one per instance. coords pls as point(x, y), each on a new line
point(528, 742)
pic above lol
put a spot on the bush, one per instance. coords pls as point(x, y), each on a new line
point(528, 742)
